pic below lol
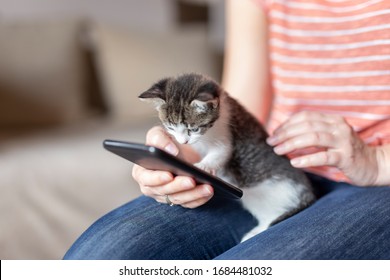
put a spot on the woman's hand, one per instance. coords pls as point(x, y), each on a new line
point(181, 190)
point(339, 146)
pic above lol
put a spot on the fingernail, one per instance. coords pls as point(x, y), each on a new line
point(206, 191)
point(172, 149)
point(271, 140)
point(297, 162)
point(280, 149)
point(187, 183)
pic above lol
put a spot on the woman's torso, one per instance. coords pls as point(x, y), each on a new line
point(333, 57)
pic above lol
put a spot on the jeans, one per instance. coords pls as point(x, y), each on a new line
point(346, 222)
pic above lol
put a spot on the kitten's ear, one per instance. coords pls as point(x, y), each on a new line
point(204, 101)
point(156, 94)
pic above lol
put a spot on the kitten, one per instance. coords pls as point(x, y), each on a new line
point(196, 111)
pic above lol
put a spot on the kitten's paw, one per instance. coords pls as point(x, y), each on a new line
point(206, 168)
point(253, 232)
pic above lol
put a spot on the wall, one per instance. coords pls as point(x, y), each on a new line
point(155, 15)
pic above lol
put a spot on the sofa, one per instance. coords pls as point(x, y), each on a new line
point(65, 86)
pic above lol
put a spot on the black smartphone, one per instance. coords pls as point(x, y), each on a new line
point(156, 159)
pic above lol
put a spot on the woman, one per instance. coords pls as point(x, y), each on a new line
point(317, 72)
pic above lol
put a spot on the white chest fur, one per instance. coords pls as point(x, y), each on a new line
point(215, 146)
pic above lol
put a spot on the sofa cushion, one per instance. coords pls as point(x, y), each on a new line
point(42, 74)
point(129, 62)
point(55, 184)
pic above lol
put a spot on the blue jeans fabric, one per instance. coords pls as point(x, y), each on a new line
point(346, 222)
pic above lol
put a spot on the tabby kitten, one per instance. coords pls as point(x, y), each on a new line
point(196, 111)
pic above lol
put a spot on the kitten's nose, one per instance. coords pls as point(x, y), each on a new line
point(182, 140)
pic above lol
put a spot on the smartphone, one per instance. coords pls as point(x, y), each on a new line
point(156, 159)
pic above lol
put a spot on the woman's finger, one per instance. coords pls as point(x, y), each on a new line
point(307, 140)
point(196, 203)
point(190, 198)
point(297, 129)
point(150, 178)
point(157, 137)
point(309, 116)
point(324, 158)
point(177, 185)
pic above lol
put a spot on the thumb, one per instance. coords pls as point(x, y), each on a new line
point(157, 137)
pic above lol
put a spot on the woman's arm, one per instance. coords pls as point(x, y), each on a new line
point(246, 74)
point(383, 158)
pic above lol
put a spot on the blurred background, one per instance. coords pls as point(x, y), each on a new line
point(70, 74)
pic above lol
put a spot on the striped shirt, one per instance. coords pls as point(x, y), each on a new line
point(332, 56)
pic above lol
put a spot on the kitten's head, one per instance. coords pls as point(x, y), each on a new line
point(188, 105)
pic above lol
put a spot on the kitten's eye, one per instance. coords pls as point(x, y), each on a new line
point(195, 130)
